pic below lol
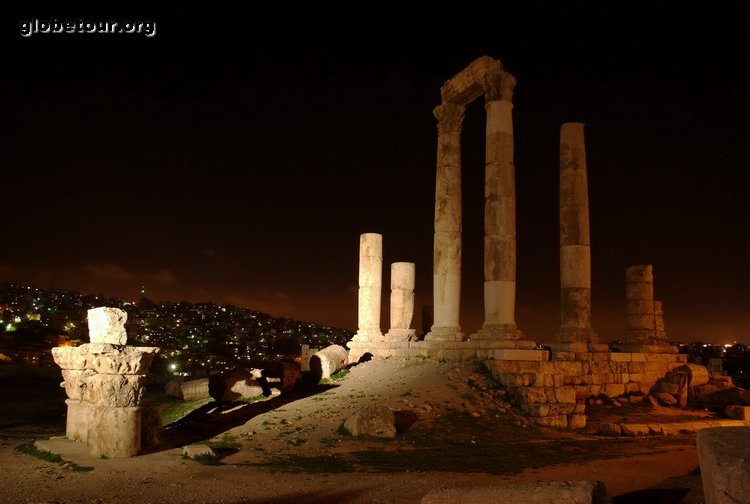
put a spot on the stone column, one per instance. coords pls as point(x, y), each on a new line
point(499, 214)
point(575, 243)
point(639, 294)
point(370, 286)
point(447, 246)
point(661, 330)
point(402, 302)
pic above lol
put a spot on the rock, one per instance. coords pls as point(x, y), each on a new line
point(726, 397)
point(107, 325)
point(632, 430)
point(665, 398)
point(233, 385)
point(287, 372)
point(195, 389)
point(653, 400)
point(725, 466)
point(682, 401)
point(541, 492)
point(616, 403)
point(704, 391)
point(173, 388)
point(372, 420)
point(667, 388)
point(610, 429)
point(197, 450)
point(328, 361)
point(737, 412)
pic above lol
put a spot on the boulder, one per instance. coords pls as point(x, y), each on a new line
point(737, 412)
point(373, 420)
point(610, 429)
point(666, 387)
point(665, 399)
point(722, 398)
point(725, 465)
point(632, 430)
point(328, 361)
point(197, 450)
point(287, 374)
point(540, 492)
point(233, 385)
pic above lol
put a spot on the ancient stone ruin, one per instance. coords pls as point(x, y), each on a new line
point(104, 382)
point(550, 385)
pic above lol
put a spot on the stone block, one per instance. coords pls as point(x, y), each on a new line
point(584, 356)
point(638, 357)
point(568, 368)
point(114, 432)
point(613, 389)
point(632, 387)
point(636, 367)
point(737, 412)
point(600, 356)
point(505, 366)
point(635, 430)
point(563, 356)
point(556, 422)
point(610, 429)
point(576, 421)
point(541, 492)
point(519, 355)
point(535, 410)
point(532, 395)
point(107, 325)
point(725, 465)
point(565, 395)
point(598, 347)
point(620, 357)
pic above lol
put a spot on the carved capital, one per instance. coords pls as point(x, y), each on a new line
point(450, 117)
point(499, 86)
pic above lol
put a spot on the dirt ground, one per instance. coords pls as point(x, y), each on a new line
point(455, 429)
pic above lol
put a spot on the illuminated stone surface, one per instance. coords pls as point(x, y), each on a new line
point(107, 325)
point(575, 243)
point(725, 465)
point(540, 492)
point(328, 361)
point(483, 77)
point(370, 286)
point(402, 302)
point(104, 383)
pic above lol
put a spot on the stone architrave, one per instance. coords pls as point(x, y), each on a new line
point(370, 287)
point(575, 242)
point(483, 77)
point(402, 302)
point(639, 295)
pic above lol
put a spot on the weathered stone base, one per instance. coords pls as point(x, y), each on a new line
point(444, 334)
point(77, 420)
point(401, 335)
point(368, 335)
point(576, 335)
point(448, 350)
point(115, 432)
point(498, 332)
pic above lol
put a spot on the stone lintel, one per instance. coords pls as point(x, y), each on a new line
point(473, 81)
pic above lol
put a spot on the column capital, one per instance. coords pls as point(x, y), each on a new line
point(499, 86)
point(450, 117)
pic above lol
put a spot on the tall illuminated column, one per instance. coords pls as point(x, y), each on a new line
point(575, 241)
point(370, 286)
point(499, 216)
point(447, 245)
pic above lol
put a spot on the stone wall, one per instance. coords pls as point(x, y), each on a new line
point(550, 386)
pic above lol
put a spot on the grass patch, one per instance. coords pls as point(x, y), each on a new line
point(175, 409)
point(207, 460)
point(337, 376)
point(30, 449)
point(225, 442)
point(251, 400)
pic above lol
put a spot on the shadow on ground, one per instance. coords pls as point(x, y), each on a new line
point(216, 417)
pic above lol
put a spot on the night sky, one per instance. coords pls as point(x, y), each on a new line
point(237, 156)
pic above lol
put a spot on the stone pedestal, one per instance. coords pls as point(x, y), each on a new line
point(402, 302)
point(104, 383)
point(659, 326)
point(575, 242)
point(641, 334)
point(370, 287)
point(447, 245)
